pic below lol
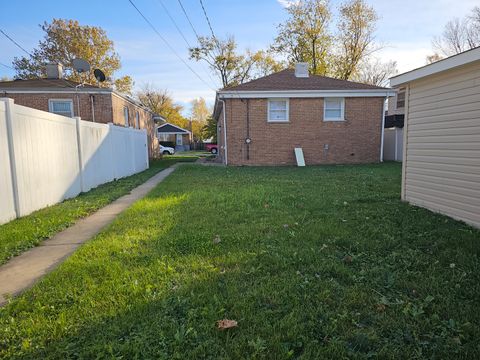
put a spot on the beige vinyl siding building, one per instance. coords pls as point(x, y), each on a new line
point(441, 167)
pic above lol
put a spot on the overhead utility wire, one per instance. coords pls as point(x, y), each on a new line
point(186, 15)
point(168, 44)
point(208, 20)
point(13, 41)
point(183, 36)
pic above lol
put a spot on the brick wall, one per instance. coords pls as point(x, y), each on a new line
point(356, 140)
point(102, 104)
point(107, 108)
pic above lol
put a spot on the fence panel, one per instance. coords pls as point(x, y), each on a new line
point(7, 201)
point(46, 158)
point(97, 156)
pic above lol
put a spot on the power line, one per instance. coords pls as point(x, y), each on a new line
point(174, 23)
point(13, 41)
point(184, 37)
point(186, 15)
point(168, 45)
point(7, 66)
point(208, 20)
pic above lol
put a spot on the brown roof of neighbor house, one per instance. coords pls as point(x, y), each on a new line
point(286, 80)
point(44, 84)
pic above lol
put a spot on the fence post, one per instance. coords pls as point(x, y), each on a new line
point(79, 150)
point(113, 163)
point(9, 112)
point(132, 147)
point(147, 159)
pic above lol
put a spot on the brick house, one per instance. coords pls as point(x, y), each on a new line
point(90, 102)
point(333, 121)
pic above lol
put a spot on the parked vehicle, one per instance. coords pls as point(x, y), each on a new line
point(165, 150)
point(212, 148)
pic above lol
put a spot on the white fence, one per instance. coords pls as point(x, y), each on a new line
point(393, 144)
point(46, 158)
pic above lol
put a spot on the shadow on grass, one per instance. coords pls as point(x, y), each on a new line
point(311, 271)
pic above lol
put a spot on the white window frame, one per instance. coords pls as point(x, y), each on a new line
point(137, 119)
point(50, 106)
point(342, 109)
point(287, 119)
point(126, 116)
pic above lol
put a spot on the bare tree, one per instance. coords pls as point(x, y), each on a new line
point(376, 72)
point(459, 35)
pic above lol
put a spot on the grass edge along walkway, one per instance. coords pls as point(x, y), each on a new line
point(23, 271)
point(29, 231)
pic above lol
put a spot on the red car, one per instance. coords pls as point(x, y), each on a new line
point(213, 148)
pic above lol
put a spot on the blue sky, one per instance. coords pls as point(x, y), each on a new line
point(405, 28)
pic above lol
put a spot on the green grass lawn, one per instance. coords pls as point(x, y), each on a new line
point(315, 262)
point(28, 231)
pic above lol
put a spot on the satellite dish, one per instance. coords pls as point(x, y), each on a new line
point(99, 75)
point(81, 65)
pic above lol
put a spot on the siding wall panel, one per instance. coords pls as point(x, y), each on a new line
point(442, 165)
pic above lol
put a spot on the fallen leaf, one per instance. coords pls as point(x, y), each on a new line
point(347, 259)
point(266, 206)
point(226, 324)
point(381, 307)
point(216, 239)
point(285, 226)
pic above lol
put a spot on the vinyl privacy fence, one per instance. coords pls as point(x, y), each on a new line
point(46, 158)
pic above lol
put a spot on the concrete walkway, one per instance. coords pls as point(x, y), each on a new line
point(22, 271)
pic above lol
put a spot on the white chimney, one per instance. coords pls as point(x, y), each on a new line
point(301, 70)
point(54, 71)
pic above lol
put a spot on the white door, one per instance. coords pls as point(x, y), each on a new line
point(179, 140)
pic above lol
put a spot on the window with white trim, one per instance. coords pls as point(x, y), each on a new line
point(401, 98)
point(62, 107)
point(278, 110)
point(125, 115)
point(334, 109)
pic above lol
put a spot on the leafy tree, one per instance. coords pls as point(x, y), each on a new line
point(433, 58)
point(210, 129)
point(161, 102)
point(232, 67)
point(200, 111)
point(355, 37)
point(305, 37)
point(66, 40)
point(459, 35)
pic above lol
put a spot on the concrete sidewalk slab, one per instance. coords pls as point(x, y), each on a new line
point(22, 271)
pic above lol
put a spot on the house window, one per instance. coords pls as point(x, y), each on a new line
point(137, 120)
point(125, 115)
point(401, 98)
point(163, 137)
point(61, 107)
point(278, 110)
point(334, 109)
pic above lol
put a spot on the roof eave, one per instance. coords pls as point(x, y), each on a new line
point(381, 92)
point(437, 67)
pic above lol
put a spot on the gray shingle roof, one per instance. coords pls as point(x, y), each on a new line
point(286, 80)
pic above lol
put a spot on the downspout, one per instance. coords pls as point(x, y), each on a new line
point(93, 107)
point(383, 128)
point(225, 151)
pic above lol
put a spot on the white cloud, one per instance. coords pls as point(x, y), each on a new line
point(288, 3)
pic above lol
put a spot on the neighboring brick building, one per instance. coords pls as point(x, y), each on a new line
point(333, 121)
point(89, 102)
